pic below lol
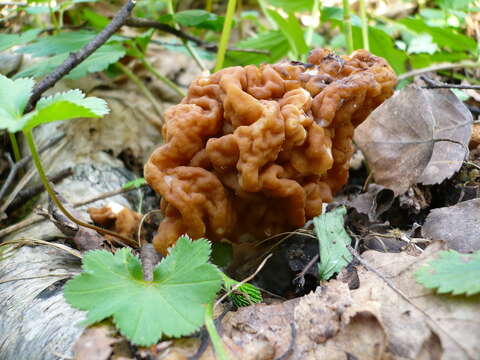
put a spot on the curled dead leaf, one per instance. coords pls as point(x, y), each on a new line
point(457, 225)
point(415, 137)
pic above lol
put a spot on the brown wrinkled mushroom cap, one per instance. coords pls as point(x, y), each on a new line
point(257, 150)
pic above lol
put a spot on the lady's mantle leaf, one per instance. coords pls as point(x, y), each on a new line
point(333, 239)
point(14, 95)
point(452, 273)
point(63, 106)
point(171, 305)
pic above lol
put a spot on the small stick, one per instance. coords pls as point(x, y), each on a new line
point(300, 278)
point(438, 85)
point(145, 23)
point(286, 355)
point(24, 161)
point(32, 191)
point(36, 218)
point(149, 258)
point(438, 67)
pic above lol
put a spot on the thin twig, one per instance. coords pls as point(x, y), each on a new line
point(392, 286)
point(144, 217)
point(438, 85)
point(291, 348)
point(106, 195)
point(438, 67)
point(28, 193)
point(77, 57)
point(24, 161)
point(145, 23)
point(36, 218)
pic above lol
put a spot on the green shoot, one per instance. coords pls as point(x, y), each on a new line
point(213, 333)
point(15, 148)
point(227, 26)
point(347, 25)
point(363, 16)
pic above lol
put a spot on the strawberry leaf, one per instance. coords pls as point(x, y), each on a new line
point(452, 272)
point(172, 304)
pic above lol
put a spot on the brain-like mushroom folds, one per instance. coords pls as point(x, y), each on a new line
point(258, 150)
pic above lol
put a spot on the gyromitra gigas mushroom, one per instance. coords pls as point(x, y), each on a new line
point(113, 216)
point(257, 150)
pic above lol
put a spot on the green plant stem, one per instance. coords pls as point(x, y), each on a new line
point(53, 18)
point(134, 78)
point(189, 48)
point(38, 165)
point(348, 26)
point(315, 22)
point(217, 343)
point(209, 5)
point(227, 25)
point(162, 78)
point(363, 16)
point(16, 150)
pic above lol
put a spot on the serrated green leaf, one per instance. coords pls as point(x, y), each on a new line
point(452, 272)
point(273, 41)
point(98, 61)
point(333, 240)
point(172, 304)
point(14, 95)
point(63, 106)
point(244, 295)
point(9, 40)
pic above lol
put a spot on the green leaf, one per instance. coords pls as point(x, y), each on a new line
point(98, 61)
point(96, 20)
point(63, 106)
point(419, 61)
point(244, 295)
point(171, 304)
point(293, 6)
point(443, 36)
point(273, 41)
point(192, 17)
point(136, 183)
point(381, 44)
point(422, 44)
point(452, 272)
point(293, 32)
point(333, 239)
point(14, 95)
point(9, 40)
point(61, 43)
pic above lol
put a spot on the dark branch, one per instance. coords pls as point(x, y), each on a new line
point(24, 161)
point(145, 23)
point(436, 85)
point(77, 57)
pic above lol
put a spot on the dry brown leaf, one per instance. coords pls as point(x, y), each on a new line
point(458, 226)
point(374, 202)
point(95, 343)
point(328, 326)
point(400, 138)
point(412, 334)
